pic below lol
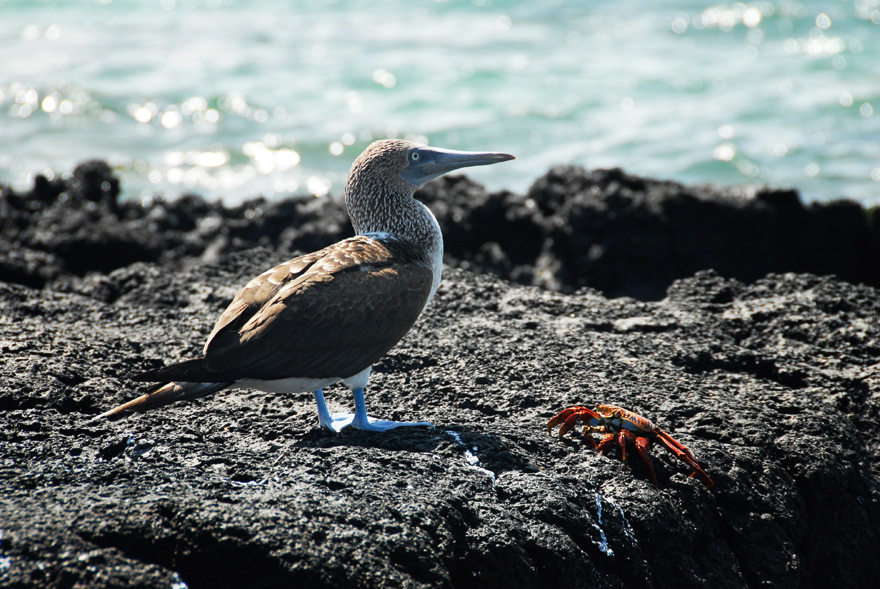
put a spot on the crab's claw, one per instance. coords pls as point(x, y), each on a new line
point(569, 418)
point(684, 455)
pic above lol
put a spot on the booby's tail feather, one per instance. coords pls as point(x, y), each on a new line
point(187, 371)
point(165, 394)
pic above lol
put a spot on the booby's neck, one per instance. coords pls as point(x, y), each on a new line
point(381, 184)
point(383, 203)
point(399, 215)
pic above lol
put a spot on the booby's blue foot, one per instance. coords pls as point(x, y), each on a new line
point(336, 422)
point(383, 425)
point(364, 422)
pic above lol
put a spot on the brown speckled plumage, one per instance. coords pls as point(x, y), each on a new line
point(379, 200)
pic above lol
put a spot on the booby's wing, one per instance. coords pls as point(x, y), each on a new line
point(327, 314)
point(332, 315)
point(249, 300)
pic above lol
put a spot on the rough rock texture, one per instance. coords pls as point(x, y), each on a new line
point(774, 385)
point(630, 236)
point(604, 229)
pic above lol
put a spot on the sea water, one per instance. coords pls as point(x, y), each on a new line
point(235, 99)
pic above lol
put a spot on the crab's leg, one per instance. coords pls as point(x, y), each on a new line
point(684, 455)
point(589, 439)
point(642, 445)
point(623, 439)
point(605, 444)
point(570, 423)
point(569, 418)
point(561, 417)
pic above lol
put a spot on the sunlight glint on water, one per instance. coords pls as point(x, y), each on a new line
point(238, 99)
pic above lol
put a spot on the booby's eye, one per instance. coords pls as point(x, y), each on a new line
point(414, 156)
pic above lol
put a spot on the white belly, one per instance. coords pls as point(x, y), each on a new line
point(288, 385)
point(306, 385)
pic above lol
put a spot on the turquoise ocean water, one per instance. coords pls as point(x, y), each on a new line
point(234, 99)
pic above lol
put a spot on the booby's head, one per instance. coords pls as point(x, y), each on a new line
point(388, 172)
point(425, 163)
point(408, 165)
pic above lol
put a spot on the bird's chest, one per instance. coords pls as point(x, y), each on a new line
point(436, 254)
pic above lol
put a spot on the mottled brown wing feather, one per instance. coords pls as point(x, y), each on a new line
point(341, 312)
point(258, 291)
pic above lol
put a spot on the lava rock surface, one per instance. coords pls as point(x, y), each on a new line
point(773, 383)
point(604, 229)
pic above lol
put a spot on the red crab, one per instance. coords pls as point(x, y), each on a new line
point(625, 427)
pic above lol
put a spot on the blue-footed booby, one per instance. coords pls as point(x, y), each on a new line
point(328, 316)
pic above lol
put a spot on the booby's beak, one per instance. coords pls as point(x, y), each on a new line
point(426, 163)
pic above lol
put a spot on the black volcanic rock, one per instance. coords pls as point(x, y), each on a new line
point(602, 229)
point(772, 385)
point(71, 227)
point(771, 381)
point(631, 236)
